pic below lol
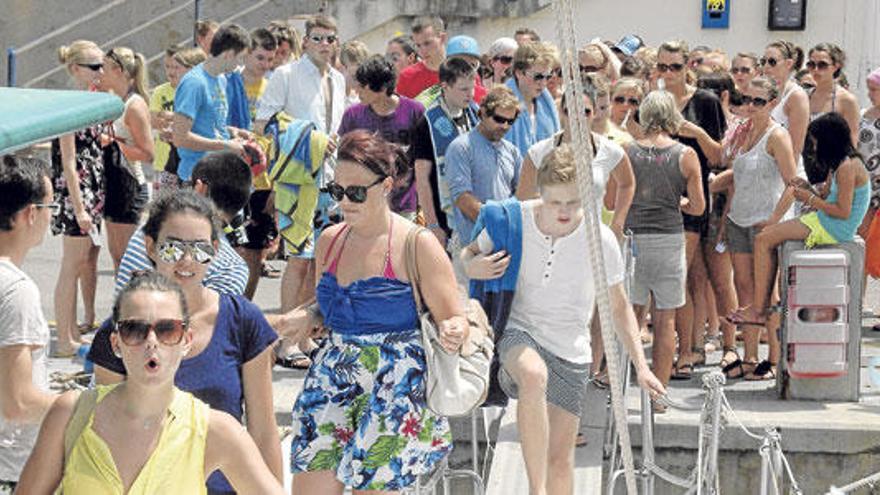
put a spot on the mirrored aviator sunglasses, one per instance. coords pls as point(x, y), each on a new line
point(172, 251)
point(135, 332)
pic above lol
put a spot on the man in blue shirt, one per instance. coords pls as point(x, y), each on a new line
point(482, 165)
point(201, 105)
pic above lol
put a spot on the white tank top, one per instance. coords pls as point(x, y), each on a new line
point(121, 131)
point(778, 113)
point(758, 185)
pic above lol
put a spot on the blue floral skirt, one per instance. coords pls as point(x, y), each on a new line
point(362, 413)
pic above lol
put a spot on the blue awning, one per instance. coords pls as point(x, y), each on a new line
point(30, 116)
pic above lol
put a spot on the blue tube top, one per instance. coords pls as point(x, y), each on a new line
point(368, 306)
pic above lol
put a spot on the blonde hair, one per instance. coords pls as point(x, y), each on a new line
point(628, 83)
point(558, 167)
point(659, 113)
point(530, 54)
point(767, 84)
point(594, 50)
point(353, 52)
point(676, 46)
point(134, 65)
point(74, 53)
point(190, 57)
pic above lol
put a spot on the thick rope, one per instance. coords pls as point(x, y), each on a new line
point(580, 133)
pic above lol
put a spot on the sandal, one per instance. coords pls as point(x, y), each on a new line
point(581, 440)
point(683, 372)
point(740, 365)
point(85, 328)
point(763, 371)
point(270, 271)
point(600, 380)
point(296, 361)
point(725, 358)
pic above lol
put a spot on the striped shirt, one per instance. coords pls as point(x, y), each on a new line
point(227, 273)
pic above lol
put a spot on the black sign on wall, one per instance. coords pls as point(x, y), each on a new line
point(787, 15)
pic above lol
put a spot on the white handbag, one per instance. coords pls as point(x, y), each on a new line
point(455, 383)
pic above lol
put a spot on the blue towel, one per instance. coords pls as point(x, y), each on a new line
point(503, 222)
point(238, 115)
point(521, 133)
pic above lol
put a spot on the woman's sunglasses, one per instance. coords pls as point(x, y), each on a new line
point(135, 332)
point(173, 250)
point(821, 65)
point(538, 77)
point(754, 101)
point(355, 194)
point(622, 99)
point(506, 60)
point(740, 70)
point(769, 61)
point(92, 67)
point(589, 68)
point(672, 67)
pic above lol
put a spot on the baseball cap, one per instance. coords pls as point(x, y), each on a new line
point(629, 44)
point(462, 45)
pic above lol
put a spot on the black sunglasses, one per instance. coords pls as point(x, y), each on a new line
point(622, 99)
point(821, 65)
point(504, 59)
point(672, 67)
point(740, 70)
point(135, 332)
point(92, 67)
point(754, 101)
point(355, 194)
point(501, 120)
point(589, 68)
point(769, 61)
point(537, 76)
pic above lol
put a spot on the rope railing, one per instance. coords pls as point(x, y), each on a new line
point(716, 413)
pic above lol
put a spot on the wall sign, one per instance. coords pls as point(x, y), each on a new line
point(716, 14)
point(787, 15)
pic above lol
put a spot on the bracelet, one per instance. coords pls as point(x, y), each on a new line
point(810, 200)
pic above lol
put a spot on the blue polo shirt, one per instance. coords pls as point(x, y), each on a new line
point(485, 169)
point(201, 97)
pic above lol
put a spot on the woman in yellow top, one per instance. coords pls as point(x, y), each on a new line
point(143, 436)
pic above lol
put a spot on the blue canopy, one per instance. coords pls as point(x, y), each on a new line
point(30, 116)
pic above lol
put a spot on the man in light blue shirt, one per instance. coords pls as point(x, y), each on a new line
point(200, 103)
point(482, 165)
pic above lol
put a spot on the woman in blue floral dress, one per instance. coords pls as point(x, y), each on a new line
point(361, 419)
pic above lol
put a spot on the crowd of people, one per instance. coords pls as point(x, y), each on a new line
point(276, 144)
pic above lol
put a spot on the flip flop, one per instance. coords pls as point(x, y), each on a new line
point(683, 372)
point(725, 362)
point(85, 328)
point(581, 440)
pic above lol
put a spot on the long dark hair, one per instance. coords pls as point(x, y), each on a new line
point(833, 143)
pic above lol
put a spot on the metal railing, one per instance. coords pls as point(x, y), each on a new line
point(13, 53)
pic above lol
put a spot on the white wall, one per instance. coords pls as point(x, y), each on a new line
point(853, 24)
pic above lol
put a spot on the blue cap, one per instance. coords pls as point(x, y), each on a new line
point(462, 45)
point(629, 44)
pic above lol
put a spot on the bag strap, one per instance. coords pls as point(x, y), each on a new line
point(82, 411)
point(412, 267)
